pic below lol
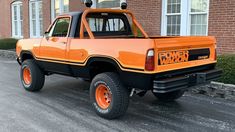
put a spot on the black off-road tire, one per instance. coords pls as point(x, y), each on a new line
point(120, 95)
point(37, 76)
point(169, 97)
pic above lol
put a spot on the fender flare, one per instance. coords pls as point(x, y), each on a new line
point(104, 59)
point(22, 53)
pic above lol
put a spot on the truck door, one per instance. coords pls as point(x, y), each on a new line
point(54, 44)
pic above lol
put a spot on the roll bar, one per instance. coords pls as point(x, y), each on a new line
point(85, 25)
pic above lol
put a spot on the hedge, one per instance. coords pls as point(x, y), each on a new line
point(226, 62)
point(8, 43)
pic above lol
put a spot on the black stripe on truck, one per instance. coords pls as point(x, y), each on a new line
point(199, 54)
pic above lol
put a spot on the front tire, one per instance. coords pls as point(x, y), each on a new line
point(32, 77)
point(109, 97)
point(169, 97)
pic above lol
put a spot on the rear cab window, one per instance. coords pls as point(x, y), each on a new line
point(106, 24)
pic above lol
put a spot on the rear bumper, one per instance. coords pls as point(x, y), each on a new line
point(186, 81)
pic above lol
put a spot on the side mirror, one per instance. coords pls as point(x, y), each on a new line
point(46, 35)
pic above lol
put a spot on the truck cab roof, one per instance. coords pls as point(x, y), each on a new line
point(73, 14)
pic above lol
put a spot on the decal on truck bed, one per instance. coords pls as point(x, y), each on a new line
point(171, 57)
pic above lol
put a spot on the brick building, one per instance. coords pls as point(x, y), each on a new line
point(30, 18)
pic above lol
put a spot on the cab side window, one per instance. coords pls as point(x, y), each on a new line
point(60, 28)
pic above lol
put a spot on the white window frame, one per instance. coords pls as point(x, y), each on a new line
point(94, 5)
point(61, 9)
point(185, 13)
point(37, 19)
point(19, 25)
point(199, 13)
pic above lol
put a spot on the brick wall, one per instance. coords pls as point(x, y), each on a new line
point(26, 26)
point(5, 22)
point(222, 24)
point(46, 14)
point(75, 5)
point(148, 13)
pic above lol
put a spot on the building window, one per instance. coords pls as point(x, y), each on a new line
point(185, 17)
point(199, 17)
point(36, 18)
point(17, 20)
point(106, 3)
point(59, 7)
point(173, 17)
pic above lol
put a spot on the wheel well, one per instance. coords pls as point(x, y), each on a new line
point(26, 56)
point(98, 67)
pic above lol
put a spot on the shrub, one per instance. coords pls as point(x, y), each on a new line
point(227, 64)
point(8, 43)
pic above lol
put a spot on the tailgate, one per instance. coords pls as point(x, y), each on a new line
point(174, 53)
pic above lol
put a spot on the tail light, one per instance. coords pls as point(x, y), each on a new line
point(215, 57)
point(150, 64)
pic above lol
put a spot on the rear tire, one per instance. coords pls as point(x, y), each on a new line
point(32, 77)
point(169, 97)
point(109, 97)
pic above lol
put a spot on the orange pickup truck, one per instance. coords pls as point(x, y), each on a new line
point(111, 49)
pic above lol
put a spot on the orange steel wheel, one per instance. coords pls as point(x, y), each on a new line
point(103, 96)
point(27, 76)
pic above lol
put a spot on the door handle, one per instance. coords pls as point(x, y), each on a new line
point(53, 39)
point(63, 42)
